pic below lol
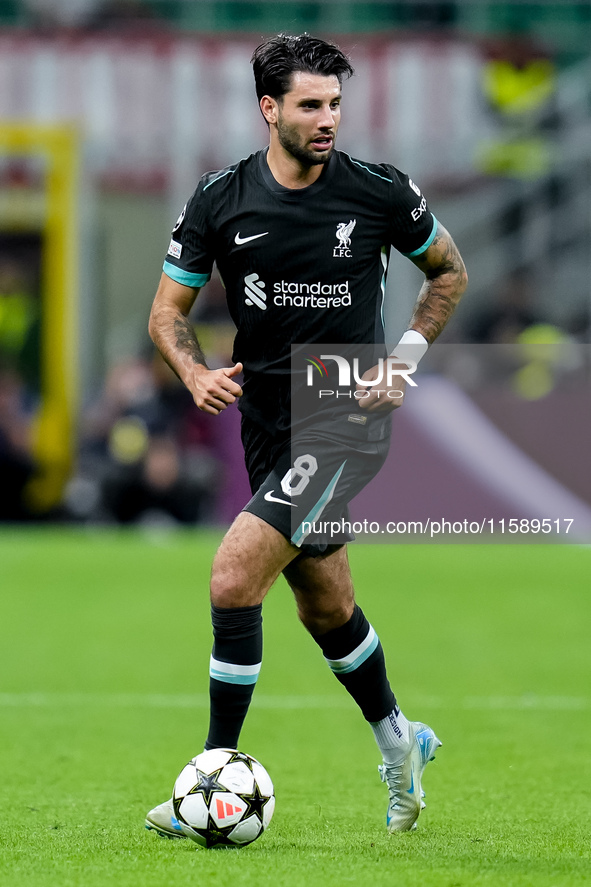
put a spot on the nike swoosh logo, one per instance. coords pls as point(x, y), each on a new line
point(271, 498)
point(238, 240)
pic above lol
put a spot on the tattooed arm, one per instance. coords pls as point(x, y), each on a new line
point(446, 280)
point(173, 334)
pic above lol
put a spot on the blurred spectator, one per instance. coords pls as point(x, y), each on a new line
point(158, 488)
point(502, 322)
point(16, 460)
point(519, 85)
point(147, 453)
point(19, 322)
point(518, 78)
point(579, 325)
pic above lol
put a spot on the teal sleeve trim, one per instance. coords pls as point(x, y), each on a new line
point(427, 243)
point(184, 277)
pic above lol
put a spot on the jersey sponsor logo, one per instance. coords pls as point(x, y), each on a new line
point(254, 290)
point(297, 295)
point(175, 249)
point(421, 208)
point(179, 221)
point(271, 498)
point(238, 240)
point(344, 232)
point(414, 187)
point(311, 295)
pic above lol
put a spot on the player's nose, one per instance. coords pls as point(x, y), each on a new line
point(327, 117)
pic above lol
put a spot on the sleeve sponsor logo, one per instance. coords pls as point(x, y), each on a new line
point(175, 249)
point(421, 208)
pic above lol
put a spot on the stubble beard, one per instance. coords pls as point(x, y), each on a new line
point(290, 141)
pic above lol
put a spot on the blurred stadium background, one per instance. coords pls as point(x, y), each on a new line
point(109, 112)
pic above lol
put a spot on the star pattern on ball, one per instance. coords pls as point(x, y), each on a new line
point(256, 803)
point(215, 837)
point(207, 784)
point(238, 756)
point(222, 797)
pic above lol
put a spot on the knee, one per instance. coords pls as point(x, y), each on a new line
point(226, 588)
point(232, 587)
point(318, 619)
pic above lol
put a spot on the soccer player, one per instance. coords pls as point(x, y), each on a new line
point(301, 233)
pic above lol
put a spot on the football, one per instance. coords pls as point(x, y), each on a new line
point(223, 797)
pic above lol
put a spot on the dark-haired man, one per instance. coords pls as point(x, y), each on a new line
point(270, 223)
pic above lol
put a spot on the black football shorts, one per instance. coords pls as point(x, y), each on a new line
point(302, 484)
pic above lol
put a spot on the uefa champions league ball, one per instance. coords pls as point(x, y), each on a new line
point(223, 798)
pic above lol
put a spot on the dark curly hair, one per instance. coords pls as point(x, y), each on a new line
point(275, 60)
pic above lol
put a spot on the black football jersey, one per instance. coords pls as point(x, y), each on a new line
point(299, 265)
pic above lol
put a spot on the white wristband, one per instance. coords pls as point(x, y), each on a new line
point(415, 346)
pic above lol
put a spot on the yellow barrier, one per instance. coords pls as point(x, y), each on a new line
point(56, 416)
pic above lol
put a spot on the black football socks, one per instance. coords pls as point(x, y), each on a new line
point(354, 653)
point(234, 668)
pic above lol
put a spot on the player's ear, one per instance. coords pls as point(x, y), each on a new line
point(269, 109)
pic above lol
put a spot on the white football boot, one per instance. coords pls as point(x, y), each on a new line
point(163, 821)
point(404, 778)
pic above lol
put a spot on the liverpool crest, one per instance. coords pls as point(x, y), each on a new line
point(344, 232)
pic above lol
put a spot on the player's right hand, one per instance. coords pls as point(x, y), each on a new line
point(214, 390)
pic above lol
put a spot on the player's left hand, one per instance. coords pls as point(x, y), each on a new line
point(382, 398)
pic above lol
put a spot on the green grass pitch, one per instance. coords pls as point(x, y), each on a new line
point(105, 640)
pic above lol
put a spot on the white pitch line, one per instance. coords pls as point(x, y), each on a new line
point(528, 702)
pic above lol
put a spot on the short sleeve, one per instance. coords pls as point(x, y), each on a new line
point(189, 259)
point(413, 226)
